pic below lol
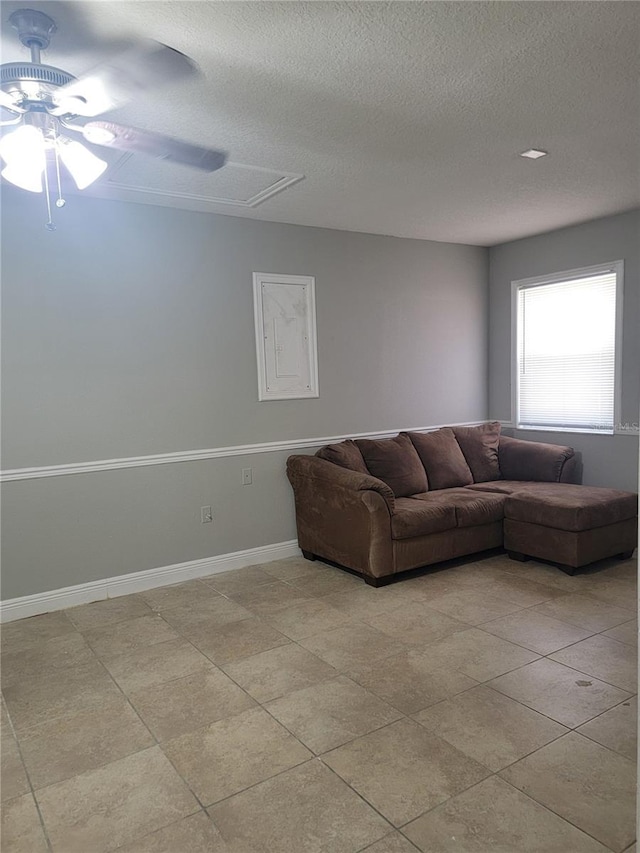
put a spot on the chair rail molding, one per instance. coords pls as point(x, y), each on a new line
point(63, 470)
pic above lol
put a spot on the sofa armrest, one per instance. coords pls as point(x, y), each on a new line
point(342, 515)
point(532, 460)
point(322, 471)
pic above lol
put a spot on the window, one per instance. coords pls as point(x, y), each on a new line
point(567, 344)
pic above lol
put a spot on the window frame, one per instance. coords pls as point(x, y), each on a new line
point(554, 278)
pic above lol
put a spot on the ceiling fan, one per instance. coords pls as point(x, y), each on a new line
point(44, 104)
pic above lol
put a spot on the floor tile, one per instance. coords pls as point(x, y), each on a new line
point(616, 729)
point(309, 617)
point(481, 571)
point(24, 633)
point(394, 843)
point(403, 770)
point(89, 616)
point(523, 591)
point(238, 580)
point(293, 567)
point(177, 595)
point(472, 606)
point(544, 573)
point(326, 583)
point(447, 580)
point(331, 713)
point(409, 683)
point(625, 633)
point(489, 727)
point(59, 653)
point(66, 691)
point(366, 601)
point(305, 810)
point(585, 611)
point(477, 654)
point(615, 590)
point(416, 624)
point(104, 808)
point(129, 635)
point(155, 664)
point(268, 598)
point(352, 645)
point(607, 659)
point(559, 692)
point(209, 612)
point(534, 631)
point(193, 834)
point(271, 674)
point(172, 708)
point(585, 783)
point(64, 747)
point(13, 779)
point(493, 817)
point(21, 828)
point(235, 640)
point(230, 755)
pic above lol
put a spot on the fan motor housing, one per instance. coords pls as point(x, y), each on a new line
point(27, 81)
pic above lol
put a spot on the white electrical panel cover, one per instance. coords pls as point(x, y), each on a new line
point(285, 318)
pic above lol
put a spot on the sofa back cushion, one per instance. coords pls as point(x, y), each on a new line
point(345, 454)
point(396, 463)
point(480, 447)
point(442, 458)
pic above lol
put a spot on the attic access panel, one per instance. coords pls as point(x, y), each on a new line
point(237, 184)
point(285, 325)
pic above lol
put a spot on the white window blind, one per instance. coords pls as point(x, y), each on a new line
point(566, 353)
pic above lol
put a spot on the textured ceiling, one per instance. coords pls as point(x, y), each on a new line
point(404, 118)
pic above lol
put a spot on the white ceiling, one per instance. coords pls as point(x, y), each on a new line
point(404, 118)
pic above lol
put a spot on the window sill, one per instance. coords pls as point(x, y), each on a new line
point(631, 429)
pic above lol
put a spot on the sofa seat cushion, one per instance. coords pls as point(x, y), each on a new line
point(573, 508)
point(396, 463)
point(483, 509)
point(419, 518)
point(480, 447)
point(471, 508)
point(442, 458)
point(346, 454)
point(502, 487)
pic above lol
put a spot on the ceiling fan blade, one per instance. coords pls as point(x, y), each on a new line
point(138, 141)
point(125, 76)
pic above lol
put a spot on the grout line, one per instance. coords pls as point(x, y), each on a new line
point(29, 782)
point(155, 739)
point(341, 673)
point(553, 811)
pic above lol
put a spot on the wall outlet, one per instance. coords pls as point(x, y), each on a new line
point(205, 514)
point(247, 476)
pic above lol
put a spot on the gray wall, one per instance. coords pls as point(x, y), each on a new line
point(608, 460)
point(129, 331)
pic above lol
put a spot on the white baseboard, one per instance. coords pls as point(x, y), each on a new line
point(84, 593)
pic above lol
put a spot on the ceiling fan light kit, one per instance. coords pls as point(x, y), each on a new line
point(45, 104)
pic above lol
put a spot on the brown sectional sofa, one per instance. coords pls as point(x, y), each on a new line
point(383, 507)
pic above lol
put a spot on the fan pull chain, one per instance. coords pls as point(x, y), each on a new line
point(49, 226)
point(60, 202)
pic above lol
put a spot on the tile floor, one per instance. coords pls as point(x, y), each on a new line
point(288, 708)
